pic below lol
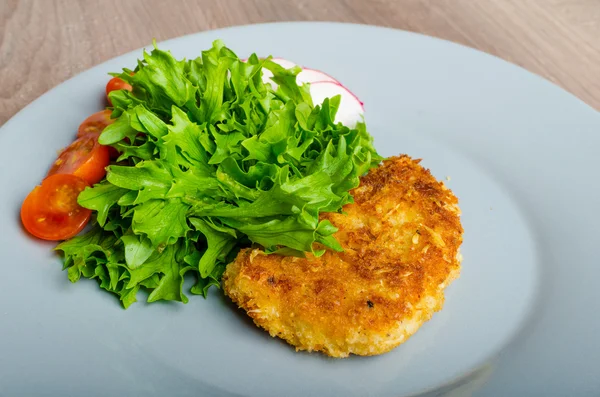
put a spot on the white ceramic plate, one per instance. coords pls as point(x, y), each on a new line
point(523, 158)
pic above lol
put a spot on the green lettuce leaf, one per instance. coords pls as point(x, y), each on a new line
point(213, 160)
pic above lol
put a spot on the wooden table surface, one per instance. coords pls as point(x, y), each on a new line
point(558, 39)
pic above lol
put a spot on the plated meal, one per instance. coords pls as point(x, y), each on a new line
point(258, 175)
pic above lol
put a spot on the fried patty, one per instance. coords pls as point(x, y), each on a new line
point(401, 242)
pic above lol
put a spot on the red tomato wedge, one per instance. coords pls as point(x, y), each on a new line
point(85, 158)
point(115, 84)
point(51, 212)
point(95, 124)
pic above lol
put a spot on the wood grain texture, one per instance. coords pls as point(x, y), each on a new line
point(557, 39)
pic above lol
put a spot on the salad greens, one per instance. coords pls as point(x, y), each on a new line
point(212, 160)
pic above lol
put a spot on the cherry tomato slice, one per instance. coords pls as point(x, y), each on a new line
point(51, 212)
point(95, 124)
point(115, 84)
point(84, 158)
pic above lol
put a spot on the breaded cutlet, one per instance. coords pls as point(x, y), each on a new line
point(401, 240)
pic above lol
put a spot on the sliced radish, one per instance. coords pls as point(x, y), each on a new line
point(280, 61)
point(267, 74)
point(284, 63)
point(351, 108)
point(308, 75)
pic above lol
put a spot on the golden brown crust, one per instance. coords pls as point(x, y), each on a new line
point(401, 239)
